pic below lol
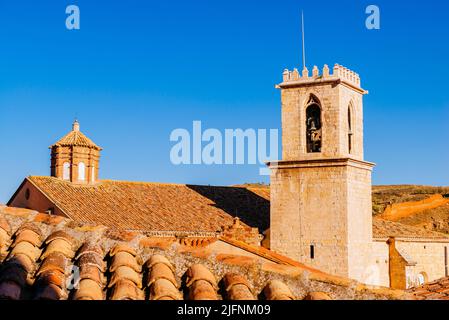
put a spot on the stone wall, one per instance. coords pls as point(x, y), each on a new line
point(327, 205)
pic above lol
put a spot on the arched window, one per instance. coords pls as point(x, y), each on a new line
point(313, 126)
point(81, 171)
point(421, 278)
point(92, 174)
point(66, 171)
point(350, 132)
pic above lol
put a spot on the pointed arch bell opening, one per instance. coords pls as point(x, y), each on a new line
point(313, 125)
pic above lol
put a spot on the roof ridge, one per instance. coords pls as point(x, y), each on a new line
point(76, 138)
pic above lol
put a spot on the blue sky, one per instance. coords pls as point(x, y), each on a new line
point(136, 70)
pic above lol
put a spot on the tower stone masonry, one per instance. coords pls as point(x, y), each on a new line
point(321, 211)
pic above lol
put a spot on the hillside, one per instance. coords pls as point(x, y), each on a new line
point(385, 195)
point(434, 219)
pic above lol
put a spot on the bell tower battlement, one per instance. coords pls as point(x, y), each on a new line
point(322, 114)
point(339, 73)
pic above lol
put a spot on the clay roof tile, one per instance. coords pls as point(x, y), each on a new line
point(123, 258)
point(163, 289)
point(88, 290)
point(61, 235)
point(161, 271)
point(277, 290)
point(55, 261)
point(317, 296)
point(10, 290)
point(92, 259)
point(125, 273)
point(50, 292)
point(232, 279)
point(202, 290)
point(30, 226)
point(59, 245)
point(29, 236)
point(122, 248)
point(92, 273)
point(89, 247)
point(27, 249)
point(76, 139)
point(240, 292)
point(155, 259)
point(126, 290)
point(4, 225)
point(199, 272)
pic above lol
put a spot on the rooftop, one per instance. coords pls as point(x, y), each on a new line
point(157, 206)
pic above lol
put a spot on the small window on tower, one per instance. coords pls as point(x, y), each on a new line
point(81, 171)
point(66, 171)
point(27, 194)
point(312, 252)
point(350, 134)
point(92, 175)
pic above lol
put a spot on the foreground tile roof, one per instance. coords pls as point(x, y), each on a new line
point(49, 257)
point(384, 229)
point(156, 206)
point(437, 290)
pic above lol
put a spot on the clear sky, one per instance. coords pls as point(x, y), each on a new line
point(136, 70)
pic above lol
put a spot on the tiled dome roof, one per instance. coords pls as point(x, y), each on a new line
point(76, 138)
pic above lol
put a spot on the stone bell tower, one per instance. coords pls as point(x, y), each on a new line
point(75, 158)
point(321, 211)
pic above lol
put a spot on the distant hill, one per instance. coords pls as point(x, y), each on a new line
point(385, 195)
point(435, 219)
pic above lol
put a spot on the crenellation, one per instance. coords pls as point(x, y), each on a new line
point(305, 72)
point(339, 72)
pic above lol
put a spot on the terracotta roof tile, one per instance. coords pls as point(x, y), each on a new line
point(91, 259)
point(277, 290)
point(200, 272)
point(92, 273)
point(154, 206)
point(435, 290)
point(10, 290)
point(317, 296)
point(126, 290)
point(202, 290)
point(125, 273)
point(163, 289)
point(4, 225)
point(60, 246)
point(27, 249)
point(161, 271)
point(88, 290)
point(90, 248)
point(76, 139)
point(237, 287)
point(29, 236)
point(125, 259)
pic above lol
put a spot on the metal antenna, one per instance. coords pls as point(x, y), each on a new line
point(303, 40)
